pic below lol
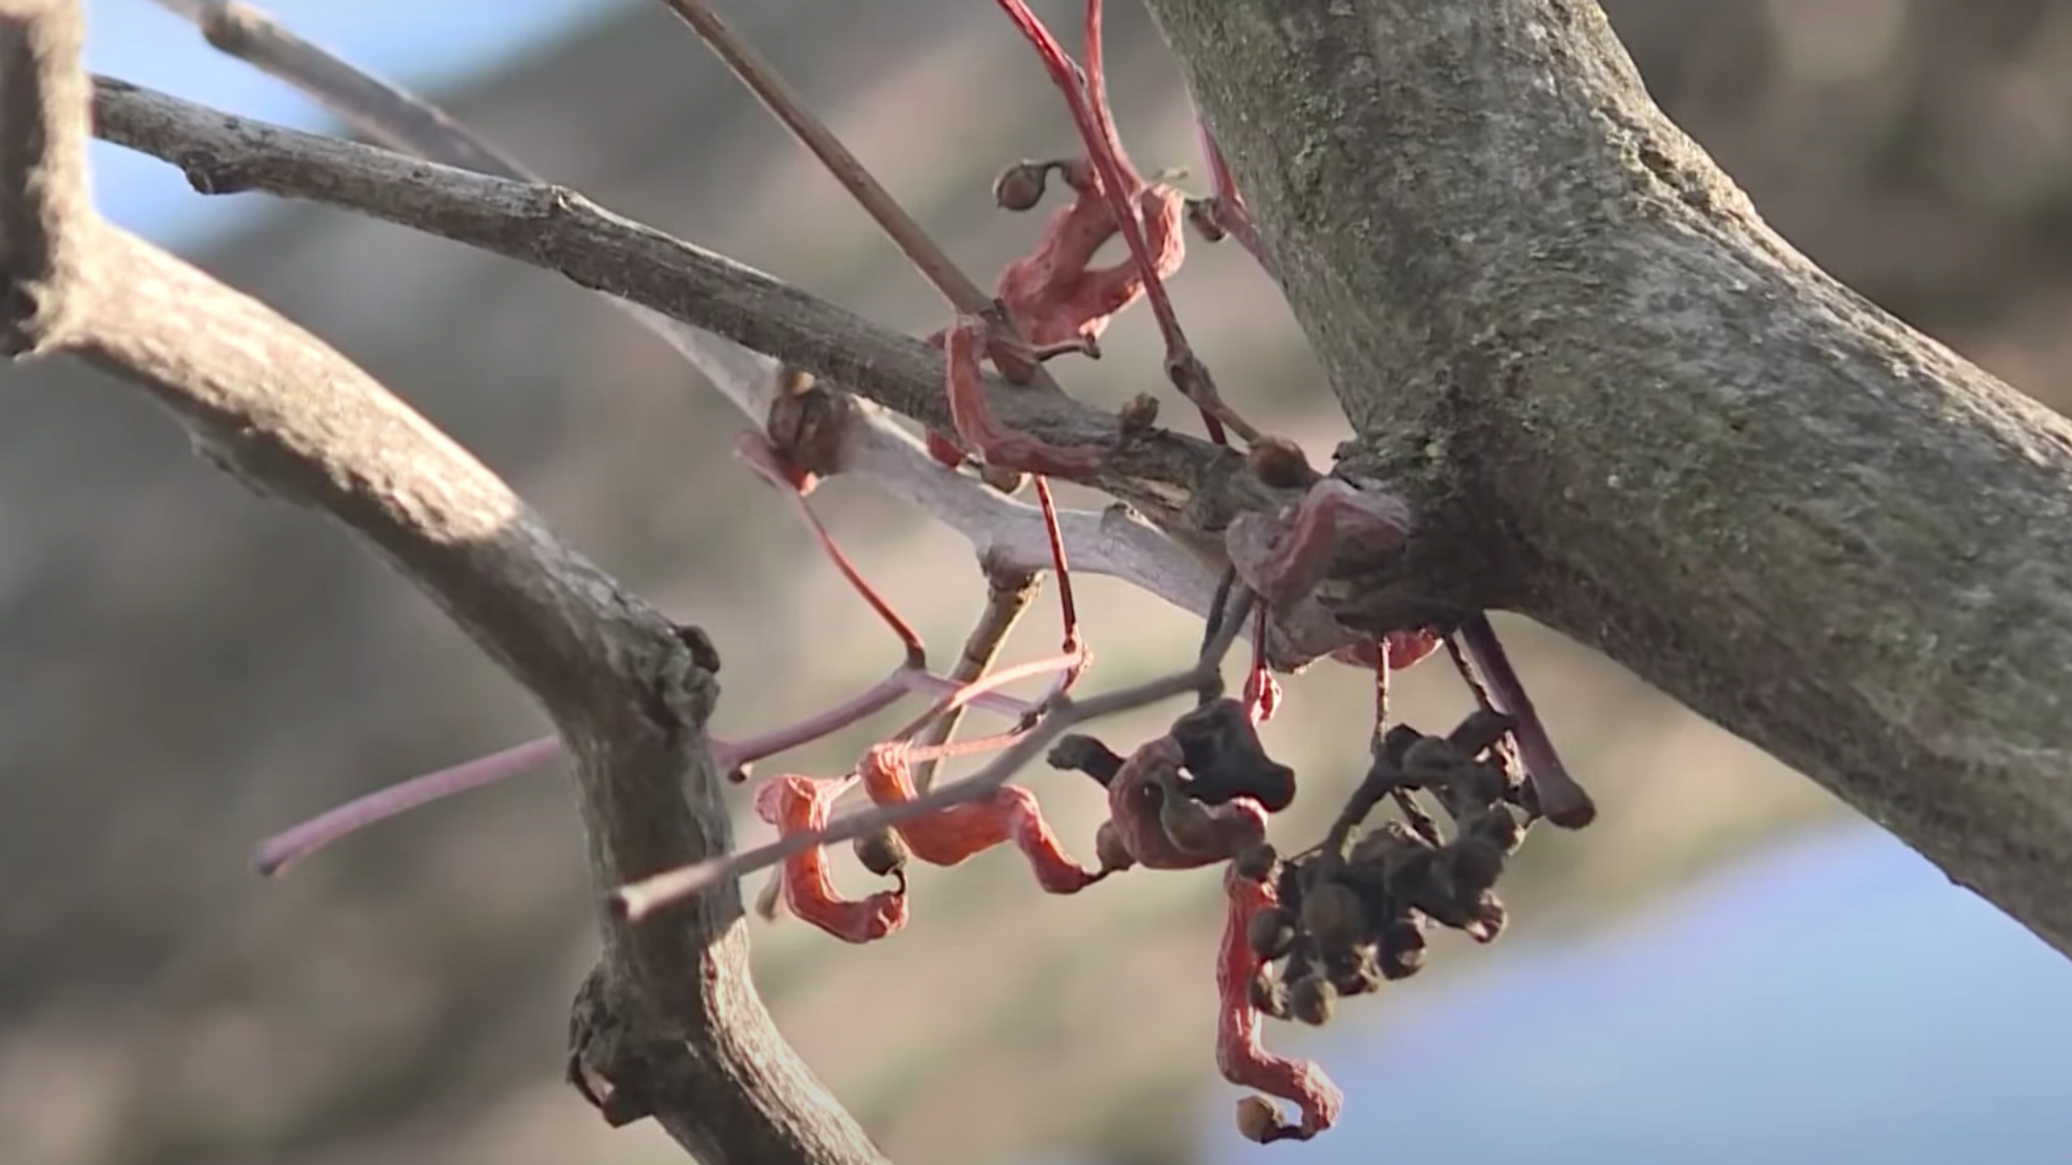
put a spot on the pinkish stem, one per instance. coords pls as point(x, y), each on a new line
point(283, 849)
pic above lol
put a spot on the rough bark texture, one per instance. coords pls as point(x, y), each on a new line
point(1545, 309)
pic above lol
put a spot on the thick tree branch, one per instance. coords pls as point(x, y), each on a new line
point(868, 443)
point(679, 1030)
point(1560, 327)
point(1181, 483)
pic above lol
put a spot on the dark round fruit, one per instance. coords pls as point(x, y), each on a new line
point(881, 851)
point(1258, 862)
point(1332, 912)
point(1270, 933)
point(1269, 994)
point(1257, 1120)
point(1310, 999)
point(1476, 863)
point(1020, 186)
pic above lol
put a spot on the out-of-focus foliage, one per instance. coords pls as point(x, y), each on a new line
point(187, 668)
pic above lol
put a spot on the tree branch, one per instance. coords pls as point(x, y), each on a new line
point(1181, 483)
point(679, 1030)
point(868, 442)
point(1683, 443)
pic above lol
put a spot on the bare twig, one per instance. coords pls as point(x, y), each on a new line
point(1171, 478)
point(1008, 595)
point(638, 900)
point(921, 250)
point(289, 416)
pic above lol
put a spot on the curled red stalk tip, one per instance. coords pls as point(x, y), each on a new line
point(800, 804)
point(1241, 1053)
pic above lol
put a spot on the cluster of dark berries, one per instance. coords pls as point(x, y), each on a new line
point(1224, 758)
point(1353, 912)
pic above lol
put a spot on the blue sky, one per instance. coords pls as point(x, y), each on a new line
point(1831, 1001)
point(423, 44)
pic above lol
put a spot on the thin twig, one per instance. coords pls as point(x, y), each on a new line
point(1159, 472)
point(640, 899)
point(1008, 595)
point(921, 250)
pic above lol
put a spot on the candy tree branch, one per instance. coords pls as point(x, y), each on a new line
point(290, 417)
point(1169, 477)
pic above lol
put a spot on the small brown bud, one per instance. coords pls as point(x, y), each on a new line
point(1310, 1000)
point(1356, 971)
point(1401, 950)
point(1258, 1121)
point(1138, 413)
point(1486, 918)
point(1201, 215)
point(1269, 994)
point(1020, 186)
point(1109, 849)
point(1258, 863)
point(882, 851)
point(1270, 933)
point(1007, 481)
point(1500, 828)
point(1280, 463)
point(1332, 912)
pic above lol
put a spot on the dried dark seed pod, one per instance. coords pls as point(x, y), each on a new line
point(1108, 847)
point(1270, 932)
point(1287, 883)
point(1222, 751)
point(1401, 950)
point(1475, 863)
point(1432, 760)
point(1258, 863)
point(1356, 970)
point(882, 852)
point(1479, 784)
point(1301, 958)
point(1334, 914)
point(1500, 828)
point(1202, 217)
point(1395, 742)
point(1085, 754)
point(1486, 918)
point(1258, 1121)
point(1387, 845)
point(1269, 994)
point(1479, 731)
point(1310, 999)
point(1020, 186)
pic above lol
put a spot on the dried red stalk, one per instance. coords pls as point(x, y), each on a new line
point(797, 804)
point(1241, 1054)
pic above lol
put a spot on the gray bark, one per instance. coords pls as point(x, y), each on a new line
point(1572, 340)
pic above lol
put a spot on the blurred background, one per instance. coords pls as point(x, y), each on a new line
point(1727, 967)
